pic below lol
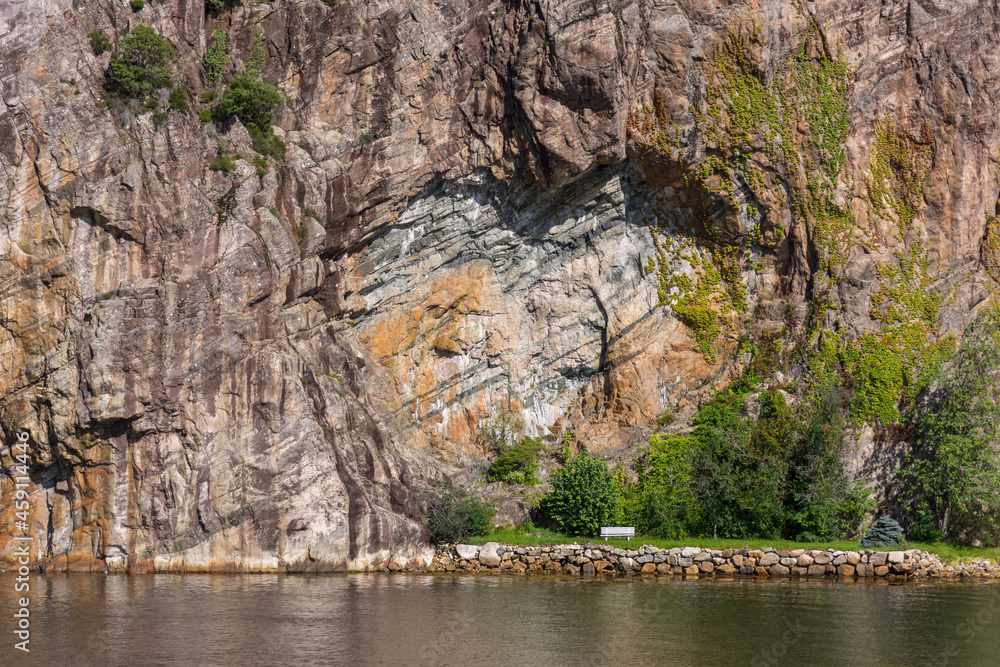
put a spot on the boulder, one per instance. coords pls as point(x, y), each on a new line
point(488, 555)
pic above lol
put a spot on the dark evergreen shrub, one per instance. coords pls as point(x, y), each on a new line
point(885, 533)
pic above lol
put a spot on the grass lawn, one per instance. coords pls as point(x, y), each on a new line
point(948, 553)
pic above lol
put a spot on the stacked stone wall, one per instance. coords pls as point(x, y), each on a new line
point(594, 559)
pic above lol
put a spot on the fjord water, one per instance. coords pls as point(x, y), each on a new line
point(373, 619)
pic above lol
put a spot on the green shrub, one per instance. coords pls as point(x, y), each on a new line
point(260, 163)
point(737, 472)
point(205, 116)
point(822, 501)
point(216, 58)
point(453, 515)
point(136, 5)
point(224, 163)
point(584, 496)
point(516, 464)
point(953, 477)
point(778, 474)
point(99, 43)
point(885, 533)
point(366, 136)
point(179, 100)
point(253, 102)
point(214, 6)
point(258, 55)
point(267, 144)
point(209, 96)
point(658, 503)
point(142, 65)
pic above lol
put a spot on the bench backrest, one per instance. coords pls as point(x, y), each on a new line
point(617, 531)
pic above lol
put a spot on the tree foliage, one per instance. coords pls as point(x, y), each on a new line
point(142, 65)
point(517, 463)
point(585, 496)
point(658, 503)
point(954, 474)
point(253, 102)
point(453, 515)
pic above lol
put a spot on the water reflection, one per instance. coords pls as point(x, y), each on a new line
point(442, 620)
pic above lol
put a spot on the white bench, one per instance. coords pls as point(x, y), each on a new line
point(617, 531)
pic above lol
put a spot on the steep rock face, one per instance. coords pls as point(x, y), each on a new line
point(461, 186)
point(480, 298)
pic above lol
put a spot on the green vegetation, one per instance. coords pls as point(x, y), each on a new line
point(99, 43)
point(215, 6)
point(516, 464)
point(258, 55)
point(136, 5)
point(885, 533)
point(754, 156)
point(224, 163)
point(254, 103)
point(142, 64)
point(179, 100)
point(585, 496)
point(899, 166)
point(954, 474)
point(454, 516)
point(216, 60)
point(658, 503)
point(260, 164)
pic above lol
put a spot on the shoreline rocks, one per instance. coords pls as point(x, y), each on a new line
point(593, 559)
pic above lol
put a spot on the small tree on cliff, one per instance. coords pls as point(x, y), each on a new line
point(254, 103)
point(142, 65)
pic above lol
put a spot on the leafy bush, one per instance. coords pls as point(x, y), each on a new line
point(454, 515)
point(823, 504)
point(214, 6)
point(953, 478)
point(216, 58)
point(136, 5)
point(224, 163)
point(658, 503)
point(205, 116)
point(516, 464)
point(738, 470)
point(885, 533)
point(584, 496)
point(99, 43)
point(267, 144)
point(179, 100)
point(254, 103)
point(779, 475)
point(141, 66)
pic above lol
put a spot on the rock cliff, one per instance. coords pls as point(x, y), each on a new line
point(481, 205)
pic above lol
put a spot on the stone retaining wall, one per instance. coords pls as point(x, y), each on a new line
point(605, 559)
